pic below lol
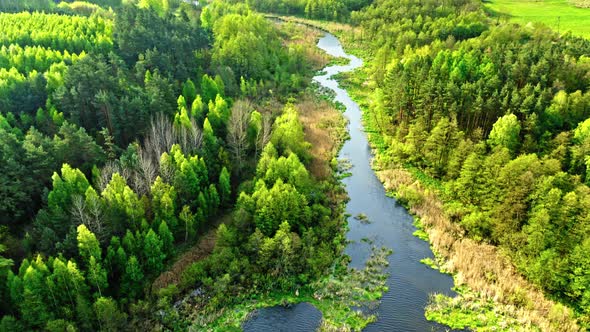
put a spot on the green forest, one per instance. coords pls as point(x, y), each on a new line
point(128, 130)
point(134, 131)
point(494, 118)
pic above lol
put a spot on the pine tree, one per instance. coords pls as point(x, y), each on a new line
point(88, 244)
point(188, 219)
point(182, 120)
point(213, 199)
point(152, 250)
point(5, 263)
point(130, 243)
point(255, 130)
point(224, 187)
point(133, 278)
point(123, 205)
point(189, 92)
point(505, 133)
point(210, 148)
point(34, 307)
point(84, 315)
point(15, 288)
point(288, 135)
point(198, 110)
point(97, 276)
point(167, 239)
point(206, 19)
point(109, 317)
point(164, 202)
point(64, 286)
point(209, 89)
point(218, 115)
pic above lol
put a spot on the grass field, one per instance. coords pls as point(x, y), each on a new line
point(557, 14)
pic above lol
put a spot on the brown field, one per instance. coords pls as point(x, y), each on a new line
point(323, 125)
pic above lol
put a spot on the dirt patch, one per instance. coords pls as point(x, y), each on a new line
point(203, 248)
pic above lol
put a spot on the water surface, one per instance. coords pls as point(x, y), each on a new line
point(410, 282)
point(298, 317)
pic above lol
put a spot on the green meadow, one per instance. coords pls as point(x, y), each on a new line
point(560, 15)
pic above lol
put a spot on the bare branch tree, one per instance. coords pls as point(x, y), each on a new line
point(237, 130)
point(106, 173)
point(95, 212)
point(89, 212)
point(78, 210)
point(159, 138)
point(146, 173)
point(125, 172)
point(266, 131)
point(189, 139)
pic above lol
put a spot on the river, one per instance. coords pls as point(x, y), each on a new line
point(410, 282)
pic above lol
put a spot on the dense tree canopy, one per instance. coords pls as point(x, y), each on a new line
point(497, 113)
point(126, 129)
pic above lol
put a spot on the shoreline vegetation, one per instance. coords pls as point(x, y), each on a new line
point(489, 295)
point(334, 296)
point(492, 294)
point(482, 273)
point(337, 294)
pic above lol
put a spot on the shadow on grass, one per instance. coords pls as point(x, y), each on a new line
point(494, 13)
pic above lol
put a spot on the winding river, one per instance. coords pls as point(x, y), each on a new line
point(410, 282)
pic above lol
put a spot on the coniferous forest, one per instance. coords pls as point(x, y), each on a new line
point(496, 116)
point(129, 129)
point(170, 165)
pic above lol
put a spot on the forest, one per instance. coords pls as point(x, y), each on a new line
point(495, 117)
point(490, 115)
point(130, 130)
point(127, 130)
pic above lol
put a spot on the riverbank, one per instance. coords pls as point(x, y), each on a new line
point(482, 273)
point(334, 296)
point(350, 37)
point(342, 289)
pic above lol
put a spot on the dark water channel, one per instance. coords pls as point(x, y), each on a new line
point(410, 282)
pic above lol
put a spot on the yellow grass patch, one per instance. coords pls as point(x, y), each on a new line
point(323, 126)
point(482, 267)
point(307, 37)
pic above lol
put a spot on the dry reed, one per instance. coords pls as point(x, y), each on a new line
point(323, 126)
point(482, 267)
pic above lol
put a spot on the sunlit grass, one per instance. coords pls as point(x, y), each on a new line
point(560, 15)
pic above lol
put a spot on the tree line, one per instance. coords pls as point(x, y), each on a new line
point(314, 9)
point(112, 160)
point(498, 114)
point(59, 32)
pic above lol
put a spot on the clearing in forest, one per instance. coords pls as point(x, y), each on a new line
point(203, 248)
point(560, 15)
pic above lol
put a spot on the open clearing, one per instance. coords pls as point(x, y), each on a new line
point(560, 15)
